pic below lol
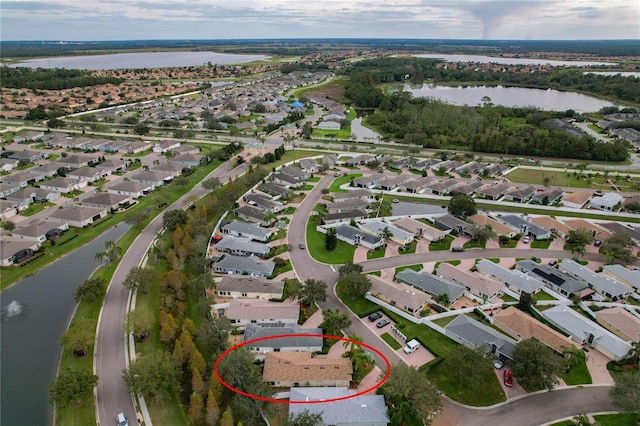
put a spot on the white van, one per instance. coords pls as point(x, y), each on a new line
point(411, 346)
point(122, 420)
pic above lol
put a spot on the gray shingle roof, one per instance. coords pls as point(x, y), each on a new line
point(246, 228)
point(430, 283)
point(479, 334)
point(352, 232)
point(513, 278)
point(256, 331)
point(600, 282)
point(551, 275)
point(361, 410)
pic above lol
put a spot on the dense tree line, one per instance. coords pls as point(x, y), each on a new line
point(416, 70)
point(433, 124)
point(51, 79)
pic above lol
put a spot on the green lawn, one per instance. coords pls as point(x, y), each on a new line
point(417, 267)
point(444, 321)
point(314, 179)
point(540, 244)
point(474, 244)
point(578, 375)
point(617, 419)
point(455, 262)
point(288, 210)
point(376, 273)
point(443, 244)
point(508, 299)
point(542, 295)
point(575, 180)
point(377, 253)
point(409, 248)
point(341, 180)
point(389, 340)
point(360, 306)
point(315, 245)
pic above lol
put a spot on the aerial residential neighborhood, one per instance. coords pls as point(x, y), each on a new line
point(320, 232)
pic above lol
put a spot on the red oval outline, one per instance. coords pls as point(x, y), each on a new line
point(281, 401)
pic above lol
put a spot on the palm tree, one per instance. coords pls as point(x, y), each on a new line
point(443, 299)
point(110, 253)
point(352, 346)
point(575, 356)
point(386, 234)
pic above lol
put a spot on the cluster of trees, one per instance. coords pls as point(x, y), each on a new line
point(352, 281)
point(433, 124)
point(291, 118)
point(51, 79)
point(269, 157)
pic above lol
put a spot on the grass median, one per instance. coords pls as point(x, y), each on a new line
point(317, 250)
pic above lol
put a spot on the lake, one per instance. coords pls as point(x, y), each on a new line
point(511, 61)
point(620, 73)
point(43, 304)
point(141, 60)
point(363, 133)
point(550, 100)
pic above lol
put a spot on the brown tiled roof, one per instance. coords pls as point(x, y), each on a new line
point(482, 220)
point(623, 320)
point(300, 367)
point(513, 320)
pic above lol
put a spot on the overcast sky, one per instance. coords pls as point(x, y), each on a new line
point(228, 19)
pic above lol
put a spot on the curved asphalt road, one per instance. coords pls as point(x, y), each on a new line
point(530, 410)
point(110, 356)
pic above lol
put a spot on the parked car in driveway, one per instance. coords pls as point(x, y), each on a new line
point(411, 346)
point(382, 323)
point(508, 378)
point(526, 239)
point(498, 364)
point(375, 316)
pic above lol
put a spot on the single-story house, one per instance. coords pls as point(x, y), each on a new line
point(242, 247)
point(452, 223)
point(252, 214)
point(137, 147)
point(132, 189)
point(329, 125)
point(551, 196)
point(607, 202)
point(618, 227)
point(555, 226)
point(601, 283)
point(598, 232)
point(419, 229)
point(369, 409)
point(107, 200)
point(31, 194)
point(473, 334)
point(329, 161)
point(584, 331)
point(283, 344)
point(287, 369)
point(500, 229)
point(248, 230)
point(8, 209)
point(190, 160)
point(29, 136)
point(477, 284)
point(185, 149)
point(446, 186)
point(346, 216)
point(354, 236)
point(8, 189)
point(623, 275)
point(393, 182)
point(172, 169)
point(8, 164)
point(377, 227)
point(516, 281)
point(242, 312)
point(556, 280)
point(576, 199)
point(15, 250)
point(90, 174)
point(29, 156)
point(520, 195)
point(521, 326)
point(309, 165)
point(22, 179)
point(431, 284)
point(364, 194)
point(400, 295)
point(241, 265)
point(64, 185)
point(165, 146)
point(620, 322)
point(157, 179)
point(418, 185)
point(249, 287)
point(76, 160)
point(77, 216)
point(286, 180)
point(345, 206)
point(525, 227)
point(48, 169)
point(275, 190)
point(264, 203)
point(296, 172)
point(369, 181)
point(113, 166)
point(360, 160)
point(37, 230)
point(494, 192)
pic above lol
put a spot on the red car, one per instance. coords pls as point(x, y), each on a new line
point(508, 378)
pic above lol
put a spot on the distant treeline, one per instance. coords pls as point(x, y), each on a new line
point(12, 49)
point(389, 70)
point(433, 124)
point(50, 79)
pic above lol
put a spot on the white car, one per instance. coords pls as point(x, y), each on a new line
point(526, 239)
point(411, 346)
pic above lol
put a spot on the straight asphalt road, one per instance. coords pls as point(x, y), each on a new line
point(110, 356)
